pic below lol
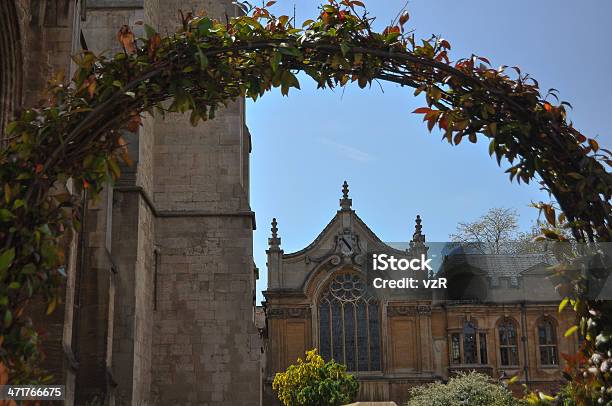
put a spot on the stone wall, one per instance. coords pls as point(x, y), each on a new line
point(206, 348)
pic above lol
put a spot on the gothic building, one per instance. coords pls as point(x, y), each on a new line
point(498, 316)
point(159, 297)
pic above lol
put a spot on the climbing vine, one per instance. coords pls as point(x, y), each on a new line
point(74, 142)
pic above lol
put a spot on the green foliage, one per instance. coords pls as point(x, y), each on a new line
point(315, 382)
point(473, 389)
point(76, 137)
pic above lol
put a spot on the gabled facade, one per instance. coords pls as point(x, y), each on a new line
point(489, 319)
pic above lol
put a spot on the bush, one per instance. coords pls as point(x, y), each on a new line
point(315, 383)
point(473, 389)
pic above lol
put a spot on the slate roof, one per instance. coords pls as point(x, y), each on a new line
point(498, 265)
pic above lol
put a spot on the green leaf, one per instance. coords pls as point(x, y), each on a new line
point(29, 269)
point(8, 318)
point(205, 25)
point(492, 145)
point(114, 168)
point(149, 31)
point(275, 60)
point(14, 285)
point(11, 127)
point(570, 331)
point(203, 59)
point(51, 306)
point(345, 48)
point(6, 215)
point(6, 259)
point(563, 304)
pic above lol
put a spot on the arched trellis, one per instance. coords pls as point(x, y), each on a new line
point(77, 134)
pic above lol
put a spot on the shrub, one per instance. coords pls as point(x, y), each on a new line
point(315, 383)
point(473, 389)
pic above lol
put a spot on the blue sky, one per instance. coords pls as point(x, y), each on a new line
point(307, 144)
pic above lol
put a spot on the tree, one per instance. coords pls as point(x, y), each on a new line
point(76, 135)
point(472, 389)
point(491, 233)
point(315, 382)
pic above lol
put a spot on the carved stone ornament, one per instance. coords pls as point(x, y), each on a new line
point(347, 244)
point(393, 311)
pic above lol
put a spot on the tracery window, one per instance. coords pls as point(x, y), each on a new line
point(349, 324)
point(508, 345)
point(547, 341)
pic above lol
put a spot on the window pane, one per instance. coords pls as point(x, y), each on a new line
point(503, 339)
point(362, 336)
point(374, 337)
point(469, 348)
point(511, 333)
point(513, 356)
point(483, 349)
point(505, 359)
point(324, 331)
point(337, 332)
point(349, 336)
point(455, 349)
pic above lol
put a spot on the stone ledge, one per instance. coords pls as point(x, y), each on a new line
point(93, 4)
point(373, 404)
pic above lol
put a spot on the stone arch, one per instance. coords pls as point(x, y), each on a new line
point(10, 62)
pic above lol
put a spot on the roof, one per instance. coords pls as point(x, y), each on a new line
point(498, 265)
point(327, 229)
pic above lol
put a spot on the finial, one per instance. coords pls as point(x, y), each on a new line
point(418, 236)
point(418, 226)
point(274, 228)
point(345, 202)
point(275, 240)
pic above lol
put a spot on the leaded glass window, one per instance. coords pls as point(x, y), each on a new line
point(349, 324)
point(469, 346)
point(508, 346)
point(547, 341)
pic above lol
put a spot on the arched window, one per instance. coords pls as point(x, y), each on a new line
point(547, 341)
point(349, 324)
point(508, 343)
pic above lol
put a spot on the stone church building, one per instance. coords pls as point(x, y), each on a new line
point(499, 315)
point(159, 304)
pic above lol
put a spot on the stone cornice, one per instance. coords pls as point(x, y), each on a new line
point(183, 213)
point(288, 313)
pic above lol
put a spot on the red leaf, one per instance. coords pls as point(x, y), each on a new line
point(39, 168)
point(445, 44)
point(547, 106)
point(270, 3)
point(126, 39)
point(422, 110)
point(404, 18)
point(85, 184)
point(431, 123)
point(594, 145)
